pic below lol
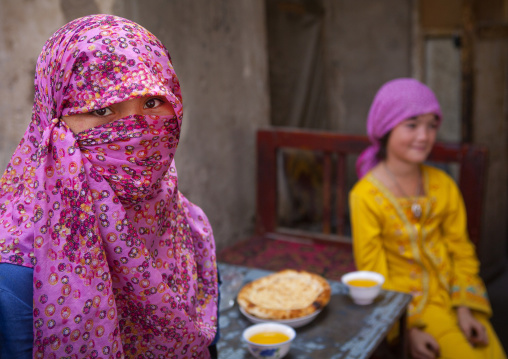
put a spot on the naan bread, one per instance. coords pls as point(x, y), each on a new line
point(287, 294)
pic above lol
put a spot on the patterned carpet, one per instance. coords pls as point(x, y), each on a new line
point(331, 261)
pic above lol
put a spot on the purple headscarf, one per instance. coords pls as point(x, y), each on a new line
point(396, 101)
point(124, 265)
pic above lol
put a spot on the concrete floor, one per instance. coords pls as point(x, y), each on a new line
point(497, 289)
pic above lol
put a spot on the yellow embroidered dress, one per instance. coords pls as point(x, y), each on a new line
point(431, 258)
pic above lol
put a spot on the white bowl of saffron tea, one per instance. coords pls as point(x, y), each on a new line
point(364, 286)
point(269, 340)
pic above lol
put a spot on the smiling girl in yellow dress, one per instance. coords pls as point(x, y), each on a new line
point(409, 224)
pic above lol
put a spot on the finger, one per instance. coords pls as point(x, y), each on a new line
point(428, 352)
point(421, 352)
point(417, 354)
point(434, 346)
point(421, 355)
point(479, 336)
point(482, 337)
point(472, 334)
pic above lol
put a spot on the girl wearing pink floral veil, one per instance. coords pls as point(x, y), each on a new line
point(116, 261)
point(409, 224)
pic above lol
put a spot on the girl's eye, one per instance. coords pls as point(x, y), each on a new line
point(411, 125)
point(102, 112)
point(153, 103)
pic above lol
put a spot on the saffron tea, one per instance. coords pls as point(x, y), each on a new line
point(269, 338)
point(362, 282)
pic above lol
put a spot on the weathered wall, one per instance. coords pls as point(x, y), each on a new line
point(23, 31)
point(219, 53)
point(329, 57)
point(368, 42)
point(490, 129)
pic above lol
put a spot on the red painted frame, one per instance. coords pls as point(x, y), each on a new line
point(471, 158)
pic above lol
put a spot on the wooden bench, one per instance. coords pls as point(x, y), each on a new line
point(326, 248)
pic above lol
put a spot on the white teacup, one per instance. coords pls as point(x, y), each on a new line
point(364, 286)
point(269, 351)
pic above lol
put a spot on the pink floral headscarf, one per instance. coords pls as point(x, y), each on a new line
point(396, 101)
point(124, 265)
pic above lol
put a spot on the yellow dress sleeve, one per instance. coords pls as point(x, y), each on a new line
point(366, 227)
point(466, 287)
point(368, 249)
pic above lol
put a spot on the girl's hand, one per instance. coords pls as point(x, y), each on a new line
point(473, 330)
point(422, 345)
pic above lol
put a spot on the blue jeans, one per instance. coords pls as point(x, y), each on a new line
point(16, 323)
point(16, 302)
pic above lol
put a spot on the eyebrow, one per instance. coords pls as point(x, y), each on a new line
point(436, 118)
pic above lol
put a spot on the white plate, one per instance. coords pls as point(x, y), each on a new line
point(295, 323)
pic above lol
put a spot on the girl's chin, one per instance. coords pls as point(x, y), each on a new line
point(419, 154)
point(416, 159)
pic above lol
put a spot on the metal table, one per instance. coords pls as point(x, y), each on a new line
point(342, 330)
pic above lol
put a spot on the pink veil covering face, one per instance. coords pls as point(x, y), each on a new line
point(124, 265)
point(396, 101)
